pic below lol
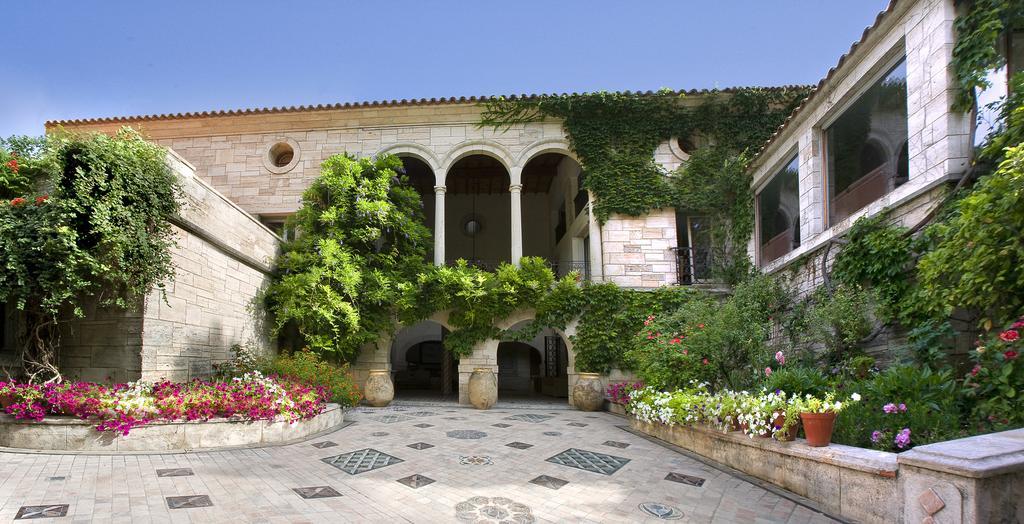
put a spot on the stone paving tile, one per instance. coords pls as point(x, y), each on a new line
point(261, 485)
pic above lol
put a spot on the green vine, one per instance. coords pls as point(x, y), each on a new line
point(976, 53)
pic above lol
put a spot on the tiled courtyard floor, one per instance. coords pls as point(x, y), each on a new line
point(412, 463)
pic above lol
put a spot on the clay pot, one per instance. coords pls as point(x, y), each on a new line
point(5, 400)
point(588, 394)
point(379, 391)
point(483, 388)
point(818, 428)
point(790, 435)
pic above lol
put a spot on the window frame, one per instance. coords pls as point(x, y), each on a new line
point(793, 153)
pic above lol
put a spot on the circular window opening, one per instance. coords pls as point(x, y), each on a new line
point(281, 154)
point(472, 227)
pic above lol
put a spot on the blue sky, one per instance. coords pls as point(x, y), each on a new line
point(91, 58)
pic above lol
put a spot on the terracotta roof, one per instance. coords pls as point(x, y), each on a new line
point(828, 76)
point(356, 105)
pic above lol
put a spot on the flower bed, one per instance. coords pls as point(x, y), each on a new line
point(122, 407)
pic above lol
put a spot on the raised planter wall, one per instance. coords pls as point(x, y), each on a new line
point(70, 434)
point(971, 480)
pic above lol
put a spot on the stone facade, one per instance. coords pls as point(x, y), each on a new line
point(638, 251)
point(222, 261)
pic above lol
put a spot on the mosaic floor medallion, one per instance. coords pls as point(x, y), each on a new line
point(616, 444)
point(529, 417)
point(475, 460)
point(324, 444)
point(361, 461)
point(420, 445)
point(549, 482)
point(391, 419)
point(466, 434)
point(519, 445)
point(493, 509)
point(416, 481)
point(662, 511)
point(189, 501)
point(174, 472)
point(421, 413)
point(681, 478)
point(49, 511)
point(317, 492)
point(589, 461)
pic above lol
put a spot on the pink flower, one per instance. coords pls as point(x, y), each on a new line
point(902, 439)
point(902, 407)
point(1009, 335)
point(876, 436)
point(975, 370)
point(780, 358)
point(768, 371)
point(890, 408)
point(1010, 354)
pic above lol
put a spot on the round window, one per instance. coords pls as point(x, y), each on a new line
point(281, 156)
point(472, 227)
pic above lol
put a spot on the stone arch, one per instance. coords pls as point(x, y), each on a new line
point(476, 147)
point(547, 145)
point(414, 150)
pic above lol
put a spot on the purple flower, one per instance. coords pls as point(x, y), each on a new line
point(903, 407)
point(876, 436)
point(890, 408)
point(902, 439)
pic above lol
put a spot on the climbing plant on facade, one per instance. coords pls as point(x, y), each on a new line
point(89, 227)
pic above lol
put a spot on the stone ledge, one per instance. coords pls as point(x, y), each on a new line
point(75, 435)
point(981, 456)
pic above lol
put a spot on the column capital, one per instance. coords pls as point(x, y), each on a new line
point(440, 189)
point(515, 188)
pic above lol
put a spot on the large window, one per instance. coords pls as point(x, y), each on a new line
point(693, 254)
point(778, 214)
point(866, 146)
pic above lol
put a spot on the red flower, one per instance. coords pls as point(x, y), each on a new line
point(41, 199)
point(17, 201)
point(700, 326)
point(705, 362)
point(676, 340)
point(686, 352)
point(1010, 354)
point(1009, 335)
point(1018, 324)
point(13, 165)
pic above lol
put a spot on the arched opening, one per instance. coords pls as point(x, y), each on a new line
point(535, 369)
point(478, 225)
point(555, 220)
point(421, 178)
point(420, 365)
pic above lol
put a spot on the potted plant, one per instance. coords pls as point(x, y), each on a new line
point(6, 394)
point(755, 414)
point(785, 417)
point(819, 417)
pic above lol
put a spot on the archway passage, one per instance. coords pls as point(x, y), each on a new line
point(478, 225)
point(555, 220)
point(421, 178)
point(535, 370)
point(421, 367)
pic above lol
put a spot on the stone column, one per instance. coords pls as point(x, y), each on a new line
point(517, 222)
point(439, 225)
point(594, 232)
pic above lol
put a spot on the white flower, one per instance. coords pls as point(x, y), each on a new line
point(855, 397)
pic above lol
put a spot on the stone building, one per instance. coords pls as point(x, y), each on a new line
point(877, 133)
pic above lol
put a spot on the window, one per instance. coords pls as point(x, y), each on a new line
point(866, 146)
point(582, 197)
point(693, 255)
point(560, 225)
point(778, 213)
point(279, 225)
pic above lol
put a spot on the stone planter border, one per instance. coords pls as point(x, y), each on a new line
point(71, 435)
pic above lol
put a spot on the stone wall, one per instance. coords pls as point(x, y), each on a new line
point(638, 251)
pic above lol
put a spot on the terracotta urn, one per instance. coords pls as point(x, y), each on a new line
point(483, 388)
point(818, 428)
point(379, 391)
point(588, 394)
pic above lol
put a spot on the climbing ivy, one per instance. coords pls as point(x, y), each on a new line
point(976, 53)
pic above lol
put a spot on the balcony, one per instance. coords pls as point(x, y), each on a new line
point(693, 266)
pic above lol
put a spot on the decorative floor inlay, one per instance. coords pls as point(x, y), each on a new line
point(493, 509)
point(455, 418)
point(54, 479)
point(324, 444)
point(549, 482)
point(361, 461)
point(423, 425)
point(519, 445)
point(416, 481)
point(475, 460)
point(391, 419)
point(421, 414)
point(420, 445)
point(317, 492)
point(552, 433)
point(42, 512)
point(189, 501)
point(685, 479)
point(379, 434)
point(174, 472)
point(662, 511)
point(466, 434)
point(529, 417)
point(502, 425)
point(616, 444)
point(578, 424)
point(589, 461)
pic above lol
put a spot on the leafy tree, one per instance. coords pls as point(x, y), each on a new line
point(99, 234)
point(360, 235)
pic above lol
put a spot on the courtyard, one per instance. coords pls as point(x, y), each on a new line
point(414, 462)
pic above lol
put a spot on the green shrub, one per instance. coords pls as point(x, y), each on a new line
point(798, 380)
point(307, 367)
